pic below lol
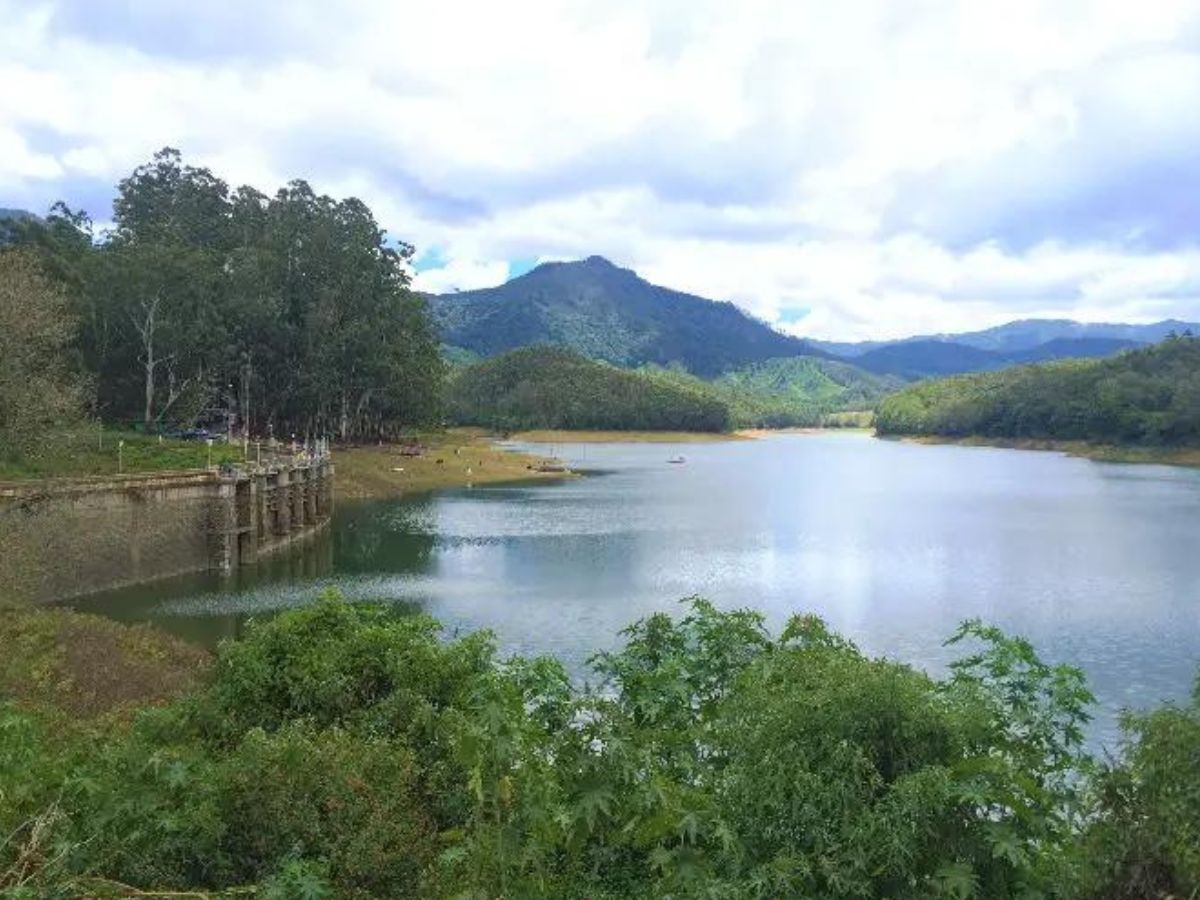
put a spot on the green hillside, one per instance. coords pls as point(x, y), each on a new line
point(608, 313)
point(549, 387)
point(787, 393)
point(802, 390)
point(1145, 396)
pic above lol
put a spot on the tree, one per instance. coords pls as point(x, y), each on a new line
point(290, 313)
point(39, 389)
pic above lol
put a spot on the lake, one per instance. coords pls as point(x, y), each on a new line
point(892, 543)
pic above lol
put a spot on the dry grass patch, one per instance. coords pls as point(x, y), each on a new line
point(551, 436)
point(455, 458)
point(87, 666)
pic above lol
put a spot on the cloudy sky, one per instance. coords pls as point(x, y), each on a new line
point(848, 169)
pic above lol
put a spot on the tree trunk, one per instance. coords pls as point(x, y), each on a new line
point(148, 415)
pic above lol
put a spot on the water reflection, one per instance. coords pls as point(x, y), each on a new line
point(893, 544)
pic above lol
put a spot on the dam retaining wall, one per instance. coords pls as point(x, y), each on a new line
point(65, 538)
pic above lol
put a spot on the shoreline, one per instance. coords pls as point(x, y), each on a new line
point(554, 436)
point(1188, 457)
point(566, 436)
point(457, 457)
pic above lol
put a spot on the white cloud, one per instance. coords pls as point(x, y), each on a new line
point(892, 168)
point(461, 275)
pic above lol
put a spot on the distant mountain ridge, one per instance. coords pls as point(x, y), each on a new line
point(917, 359)
point(608, 313)
point(1024, 335)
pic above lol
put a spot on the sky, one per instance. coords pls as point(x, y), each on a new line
point(843, 170)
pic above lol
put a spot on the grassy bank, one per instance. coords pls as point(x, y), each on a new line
point(554, 436)
point(86, 667)
point(1117, 453)
point(454, 458)
point(92, 452)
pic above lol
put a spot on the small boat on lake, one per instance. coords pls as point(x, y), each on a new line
point(677, 460)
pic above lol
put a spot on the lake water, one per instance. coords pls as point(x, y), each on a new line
point(893, 544)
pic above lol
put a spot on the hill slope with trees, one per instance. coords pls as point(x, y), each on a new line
point(1146, 396)
point(549, 387)
point(609, 313)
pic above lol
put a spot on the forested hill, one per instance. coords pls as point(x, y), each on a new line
point(549, 387)
point(1145, 396)
point(609, 313)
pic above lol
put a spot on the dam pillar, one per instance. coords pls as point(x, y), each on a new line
point(283, 503)
point(312, 488)
point(225, 526)
point(247, 520)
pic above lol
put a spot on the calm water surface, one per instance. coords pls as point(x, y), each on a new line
point(893, 544)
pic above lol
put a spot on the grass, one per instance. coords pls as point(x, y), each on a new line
point(1117, 453)
point(551, 436)
point(91, 452)
point(88, 667)
point(453, 458)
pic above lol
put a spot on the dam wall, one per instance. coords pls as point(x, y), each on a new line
point(65, 538)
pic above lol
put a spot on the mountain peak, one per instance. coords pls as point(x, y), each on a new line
point(607, 312)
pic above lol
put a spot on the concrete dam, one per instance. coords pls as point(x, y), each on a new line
point(65, 538)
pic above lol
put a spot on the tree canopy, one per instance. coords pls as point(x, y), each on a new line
point(289, 313)
point(40, 388)
point(549, 387)
point(1145, 396)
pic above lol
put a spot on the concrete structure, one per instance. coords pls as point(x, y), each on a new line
point(62, 539)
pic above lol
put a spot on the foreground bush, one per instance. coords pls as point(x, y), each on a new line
point(341, 750)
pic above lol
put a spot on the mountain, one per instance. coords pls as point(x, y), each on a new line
point(1071, 348)
point(608, 313)
point(933, 358)
point(1027, 334)
point(922, 359)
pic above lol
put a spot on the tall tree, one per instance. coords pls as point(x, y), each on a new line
point(39, 388)
point(290, 313)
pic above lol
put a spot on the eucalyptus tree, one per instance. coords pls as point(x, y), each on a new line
point(291, 312)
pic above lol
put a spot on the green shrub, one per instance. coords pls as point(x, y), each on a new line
point(354, 804)
point(345, 751)
point(1144, 839)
